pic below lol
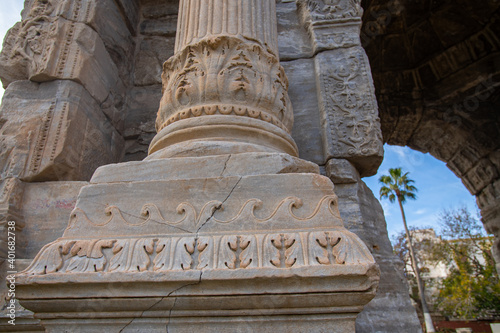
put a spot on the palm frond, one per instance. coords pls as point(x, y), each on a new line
point(397, 184)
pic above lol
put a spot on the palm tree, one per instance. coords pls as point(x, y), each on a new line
point(398, 186)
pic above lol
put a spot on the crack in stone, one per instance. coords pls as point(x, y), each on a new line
point(175, 300)
point(225, 165)
point(130, 322)
point(168, 295)
point(218, 207)
point(160, 222)
point(179, 228)
point(174, 226)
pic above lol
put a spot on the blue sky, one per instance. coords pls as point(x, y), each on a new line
point(438, 187)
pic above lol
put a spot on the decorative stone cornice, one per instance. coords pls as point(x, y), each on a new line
point(289, 249)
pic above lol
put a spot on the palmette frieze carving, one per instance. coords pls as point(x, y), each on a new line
point(87, 255)
point(268, 244)
point(286, 249)
point(351, 109)
point(225, 75)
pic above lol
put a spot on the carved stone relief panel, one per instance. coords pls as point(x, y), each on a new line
point(348, 107)
point(54, 131)
point(60, 49)
point(331, 23)
point(75, 40)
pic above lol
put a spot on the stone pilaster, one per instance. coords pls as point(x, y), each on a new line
point(11, 219)
point(347, 103)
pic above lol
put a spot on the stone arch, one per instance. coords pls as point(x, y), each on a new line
point(436, 70)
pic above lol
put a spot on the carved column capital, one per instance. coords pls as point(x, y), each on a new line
point(224, 86)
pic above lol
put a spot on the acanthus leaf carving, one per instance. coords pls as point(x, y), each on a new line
point(205, 247)
point(88, 256)
point(225, 76)
point(293, 252)
point(131, 255)
point(50, 258)
point(222, 251)
point(347, 249)
point(248, 256)
point(318, 243)
point(184, 248)
point(227, 252)
point(272, 247)
point(163, 259)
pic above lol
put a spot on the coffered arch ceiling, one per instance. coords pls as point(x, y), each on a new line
point(436, 69)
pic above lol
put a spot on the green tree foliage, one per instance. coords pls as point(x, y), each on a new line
point(472, 288)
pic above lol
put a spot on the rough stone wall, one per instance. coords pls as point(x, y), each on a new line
point(101, 91)
point(155, 40)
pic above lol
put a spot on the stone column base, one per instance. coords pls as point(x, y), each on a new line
point(225, 250)
point(306, 299)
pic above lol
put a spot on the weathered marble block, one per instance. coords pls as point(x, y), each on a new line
point(303, 94)
point(54, 131)
point(52, 203)
point(105, 17)
point(46, 48)
point(331, 26)
point(293, 39)
point(37, 214)
point(233, 251)
point(348, 109)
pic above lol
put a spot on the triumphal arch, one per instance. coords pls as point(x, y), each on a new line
point(196, 164)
